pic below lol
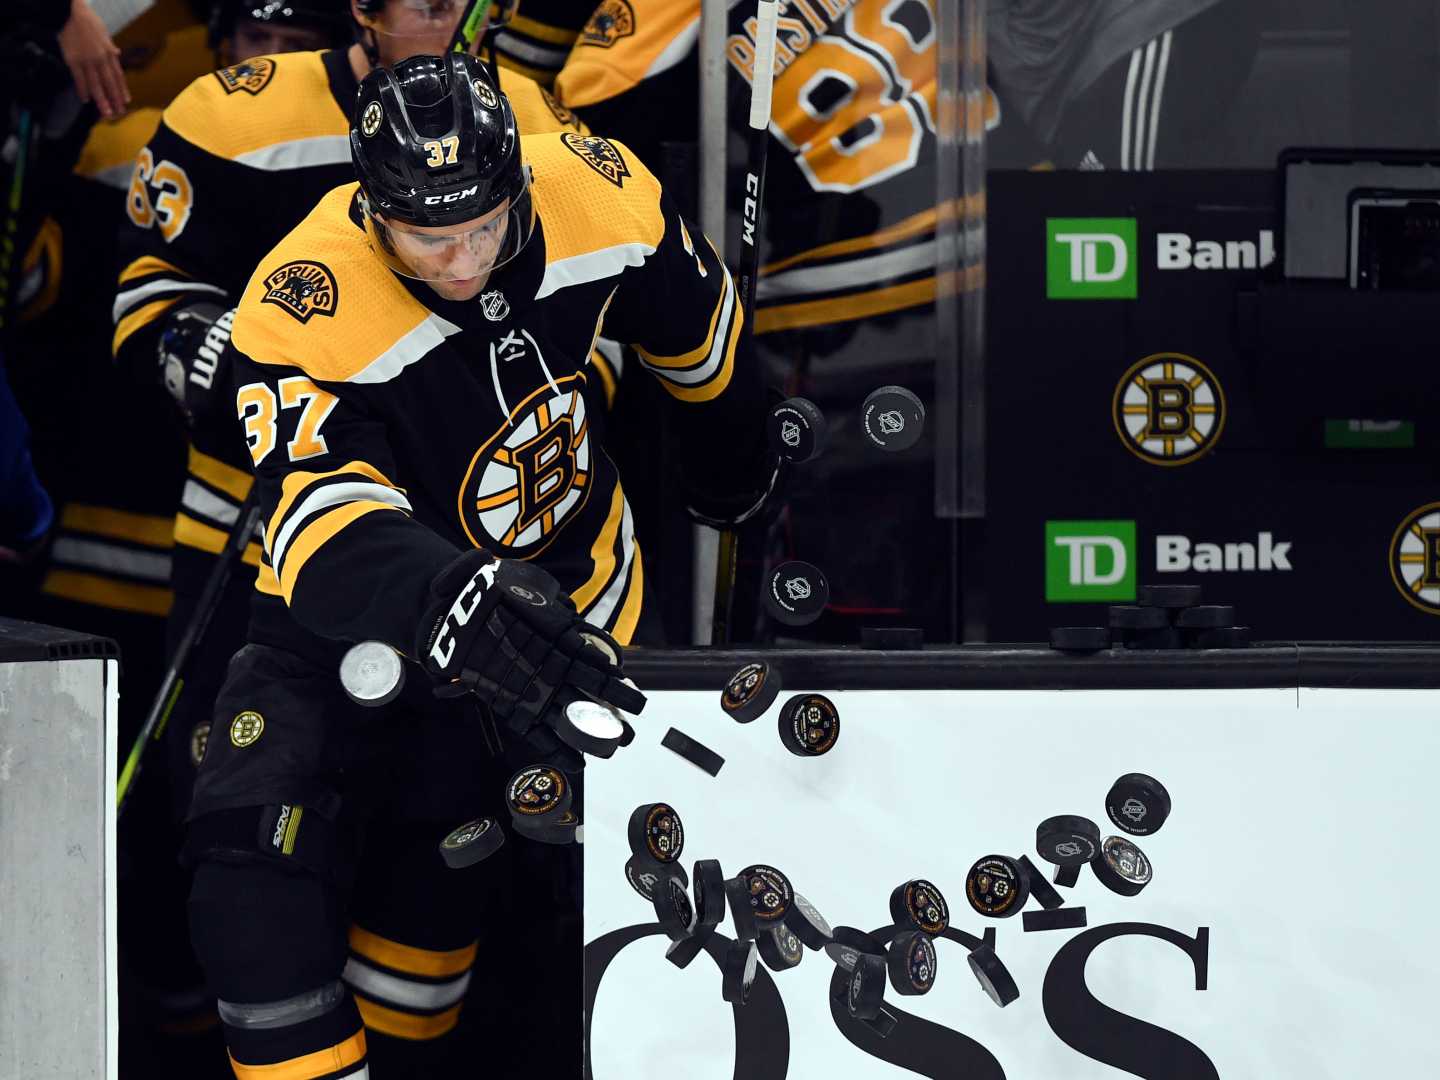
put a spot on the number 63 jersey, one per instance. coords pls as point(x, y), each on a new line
point(390, 428)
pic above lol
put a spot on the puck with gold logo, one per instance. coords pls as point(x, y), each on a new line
point(750, 691)
point(471, 842)
point(809, 725)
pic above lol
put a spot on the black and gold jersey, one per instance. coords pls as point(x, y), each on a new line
point(536, 41)
point(238, 159)
point(390, 428)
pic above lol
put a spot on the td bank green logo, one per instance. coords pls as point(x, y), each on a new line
point(1089, 561)
point(1091, 259)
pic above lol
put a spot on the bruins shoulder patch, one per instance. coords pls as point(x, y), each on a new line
point(613, 20)
point(252, 76)
point(303, 289)
point(600, 154)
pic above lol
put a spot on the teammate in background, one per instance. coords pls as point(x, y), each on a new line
point(241, 30)
point(410, 365)
point(536, 43)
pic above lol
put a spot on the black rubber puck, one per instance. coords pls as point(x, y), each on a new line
point(1169, 596)
point(1067, 840)
point(1040, 889)
point(1206, 617)
point(847, 944)
point(1167, 637)
point(1067, 876)
point(681, 952)
point(780, 948)
point(589, 727)
point(797, 430)
point(1065, 918)
point(709, 896)
point(910, 960)
point(919, 905)
point(867, 987)
point(1221, 637)
point(1080, 638)
point(737, 897)
point(644, 875)
point(673, 908)
point(563, 830)
point(769, 894)
point(809, 725)
point(892, 418)
point(1137, 618)
point(808, 924)
point(750, 691)
point(537, 793)
point(1122, 867)
point(655, 832)
point(994, 978)
point(471, 842)
point(896, 638)
point(796, 593)
point(996, 886)
point(693, 751)
point(372, 674)
point(738, 972)
point(1138, 804)
point(883, 1023)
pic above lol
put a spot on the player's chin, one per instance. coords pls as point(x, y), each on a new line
point(460, 288)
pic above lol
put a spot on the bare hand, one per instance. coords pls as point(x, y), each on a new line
point(93, 60)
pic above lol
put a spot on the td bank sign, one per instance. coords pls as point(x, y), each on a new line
point(1099, 258)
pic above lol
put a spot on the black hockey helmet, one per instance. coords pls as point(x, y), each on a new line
point(435, 144)
point(328, 17)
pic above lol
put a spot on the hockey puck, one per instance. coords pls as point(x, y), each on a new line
point(769, 894)
point(992, 975)
point(796, 593)
point(809, 725)
point(1065, 918)
point(1137, 618)
point(797, 430)
point(737, 898)
point(750, 691)
point(563, 830)
point(588, 726)
point(1079, 638)
point(681, 952)
point(892, 418)
point(656, 833)
point(780, 948)
point(693, 751)
point(673, 908)
point(1067, 840)
point(910, 960)
point(894, 638)
point(709, 896)
point(738, 971)
point(1166, 637)
point(996, 886)
point(644, 875)
point(808, 924)
point(1206, 617)
point(1221, 637)
point(1122, 867)
point(372, 674)
point(867, 987)
point(538, 793)
point(471, 842)
point(1169, 596)
point(847, 944)
point(919, 905)
point(1138, 804)
point(1040, 889)
point(1067, 876)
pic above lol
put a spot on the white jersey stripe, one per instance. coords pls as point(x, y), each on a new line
point(299, 153)
point(327, 496)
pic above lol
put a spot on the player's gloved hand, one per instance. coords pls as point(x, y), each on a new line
point(503, 629)
point(194, 364)
point(727, 509)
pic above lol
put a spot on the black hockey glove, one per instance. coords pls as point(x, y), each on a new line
point(193, 361)
point(503, 629)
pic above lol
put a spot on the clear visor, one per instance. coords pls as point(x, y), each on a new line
point(427, 20)
point(457, 254)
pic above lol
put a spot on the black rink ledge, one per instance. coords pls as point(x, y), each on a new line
point(21, 641)
point(1037, 667)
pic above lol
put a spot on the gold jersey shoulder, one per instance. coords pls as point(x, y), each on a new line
point(322, 302)
point(536, 110)
point(625, 42)
point(243, 113)
point(591, 194)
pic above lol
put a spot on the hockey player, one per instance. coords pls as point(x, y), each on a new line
point(243, 29)
point(536, 43)
point(409, 369)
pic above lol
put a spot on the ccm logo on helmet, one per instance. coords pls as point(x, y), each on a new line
point(454, 196)
point(442, 649)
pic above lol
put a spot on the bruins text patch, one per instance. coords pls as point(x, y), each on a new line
point(303, 289)
point(252, 76)
point(600, 154)
point(613, 20)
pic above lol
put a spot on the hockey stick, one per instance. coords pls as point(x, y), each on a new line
point(10, 231)
point(467, 31)
point(174, 681)
point(761, 83)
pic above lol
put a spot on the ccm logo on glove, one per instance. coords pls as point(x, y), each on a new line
point(443, 649)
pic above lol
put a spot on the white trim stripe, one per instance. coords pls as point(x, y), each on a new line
point(1144, 111)
point(614, 354)
point(870, 270)
point(363, 1073)
point(406, 993)
point(1159, 98)
point(116, 176)
point(592, 266)
point(548, 57)
point(329, 496)
point(678, 49)
point(603, 610)
point(1128, 112)
point(723, 330)
point(413, 346)
point(97, 555)
point(201, 500)
point(299, 153)
point(132, 298)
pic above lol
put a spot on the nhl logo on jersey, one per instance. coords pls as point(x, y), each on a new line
point(532, 476)
point(370, 120)
point(494, 305)
point(613, 20)
point(302, 289)
point(252, 76)
point(600, 154)
point(486, 95)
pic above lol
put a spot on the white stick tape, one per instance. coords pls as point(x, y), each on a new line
point(767, 15)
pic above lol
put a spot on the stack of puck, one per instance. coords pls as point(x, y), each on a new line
point(656, 837)
point(540, 798)
point(1138, 805)
point(1167, 617)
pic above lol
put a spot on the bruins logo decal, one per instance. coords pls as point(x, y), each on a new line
point(613, 20)
point(303, 289)
point(371, 118)
point(246, 728)
point(252, 76)
point(486, 95)
point(600, 154)
point(533, 474)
